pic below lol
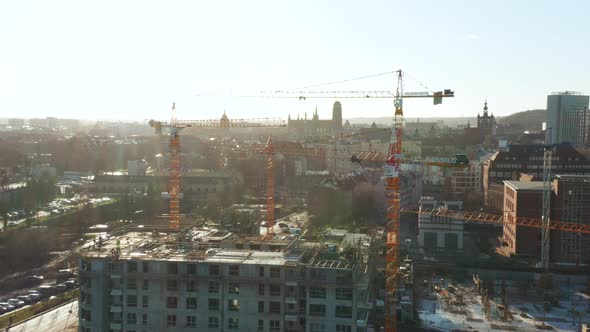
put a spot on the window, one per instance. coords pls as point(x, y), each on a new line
point(213, 270)
point(343, 276)
point(317, 292)
point(275, 307)
point(343, 311)
point(213, 304)
point(131, 284)
point(233, 323)
point(260, 290)
point(317, 327)
point(343, 294)
point(191, 303)
point(213, 322)
point(171, 285)
point(260, 325)
point(191, 321)
point(275, 290)
point(233, 305)
point(275, 326)
point(318, 310)
point(145, 284)
point(318, 274)
point(171, 302)
point(261, 271)
point(191, 269)
point(234, 270)
point(191, 285)
point(275, 272)
point(260, 306)
point(131, 301)
point(144, 319)
point(234, 288)
point(214, 287)
point(131, 318)
point(145, 267)
point(172, 268)
point(343, 328)
point(171, 320)
point(131, 266)
point(144, 301)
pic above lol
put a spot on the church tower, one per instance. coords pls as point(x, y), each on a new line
point(337, 115)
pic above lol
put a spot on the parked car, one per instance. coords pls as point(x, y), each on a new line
point(25, 298)
point(6, 306)
point(46, 290)
point(34, 295)
point(33, 280)
point(70, 284)
point(16, 303)
point(61, 288)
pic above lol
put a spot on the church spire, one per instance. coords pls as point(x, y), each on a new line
point(485, 108)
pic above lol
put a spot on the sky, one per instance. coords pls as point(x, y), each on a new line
point(129, 60)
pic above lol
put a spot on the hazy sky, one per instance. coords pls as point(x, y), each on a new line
point(132, 59)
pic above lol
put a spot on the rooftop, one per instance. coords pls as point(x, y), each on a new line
point(221, 246)
point(525, 185)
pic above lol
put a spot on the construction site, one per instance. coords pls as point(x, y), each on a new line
point(313, 225)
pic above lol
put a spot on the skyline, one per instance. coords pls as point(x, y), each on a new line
point(131, 60)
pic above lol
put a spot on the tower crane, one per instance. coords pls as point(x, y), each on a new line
point(392, 181)
point(176, 126)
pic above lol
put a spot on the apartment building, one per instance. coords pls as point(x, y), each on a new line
point(145, 282)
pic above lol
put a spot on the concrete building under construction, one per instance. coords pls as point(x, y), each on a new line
point(211, 280)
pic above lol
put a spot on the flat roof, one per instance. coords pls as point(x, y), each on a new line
point(525, 185)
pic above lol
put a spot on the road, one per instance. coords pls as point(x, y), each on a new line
point(62, 318)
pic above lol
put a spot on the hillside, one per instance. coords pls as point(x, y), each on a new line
point(531, 120)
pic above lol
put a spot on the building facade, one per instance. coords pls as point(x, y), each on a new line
point(510, 163)
point(439, 234)
point(570, 204)
point(466, 180)
point(301, 287)
point(567, 117)
point(522, 199)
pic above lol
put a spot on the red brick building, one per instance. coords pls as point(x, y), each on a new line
point(522, 199)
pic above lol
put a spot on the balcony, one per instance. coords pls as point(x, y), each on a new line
point(291, 316)
point(116, 326)
point(290, 300)
point(116, 292)
point(116, 308)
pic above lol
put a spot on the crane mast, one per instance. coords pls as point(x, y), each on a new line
point(174, 185)
point(392, 193)
point(176, 126)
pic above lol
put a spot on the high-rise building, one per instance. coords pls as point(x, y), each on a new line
point(567, 117)
point(213, 280)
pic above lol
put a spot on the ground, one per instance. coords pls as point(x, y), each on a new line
point(440, 310)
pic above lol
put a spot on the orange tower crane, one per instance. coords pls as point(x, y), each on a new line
point(176, 126)
point(392, 169)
